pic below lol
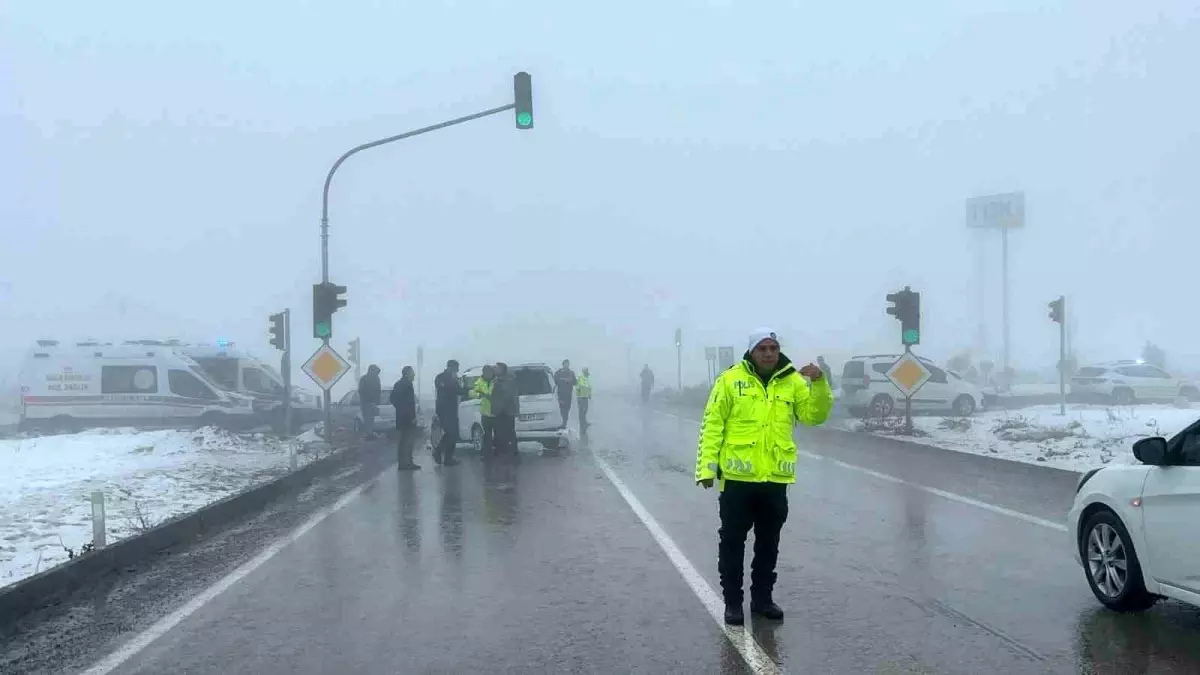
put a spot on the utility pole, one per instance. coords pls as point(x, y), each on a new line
point(522, 105)
point(1004, 311)
point(286, 366)
point(679, 357)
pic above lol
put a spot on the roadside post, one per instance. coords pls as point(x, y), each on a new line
point(1058, 314)
point(98, 539)
point(710, 355)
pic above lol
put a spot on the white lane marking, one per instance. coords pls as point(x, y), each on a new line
point(952, 496)
point(741, 639)
point(165, 624)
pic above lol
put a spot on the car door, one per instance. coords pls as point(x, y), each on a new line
point(1171, 514)
point(468, 408)
point(347, 409)
point(936, 393)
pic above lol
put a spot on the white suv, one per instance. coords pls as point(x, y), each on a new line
point(865, 387)
point(540, 420)
point(1124, 382)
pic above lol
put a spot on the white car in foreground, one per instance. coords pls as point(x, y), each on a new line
point(1135, 529)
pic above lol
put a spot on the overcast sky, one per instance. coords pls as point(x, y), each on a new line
point(713, 165)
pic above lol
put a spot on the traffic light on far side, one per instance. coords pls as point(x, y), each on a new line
point(1058, 309)
point(352, 356)
point(326, 301)
point(523, 100)
point(910, 318)
point(278, 332)
point(906, 308)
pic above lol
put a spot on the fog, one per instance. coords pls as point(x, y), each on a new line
point(708, 166)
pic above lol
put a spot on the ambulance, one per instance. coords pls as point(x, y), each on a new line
point(143, 383)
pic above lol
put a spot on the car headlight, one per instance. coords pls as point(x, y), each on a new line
point(1085, 477)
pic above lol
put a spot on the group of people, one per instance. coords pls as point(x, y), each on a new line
point(568, 384)
point(499, 407)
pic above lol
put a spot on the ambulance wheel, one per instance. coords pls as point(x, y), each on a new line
point(64, 424)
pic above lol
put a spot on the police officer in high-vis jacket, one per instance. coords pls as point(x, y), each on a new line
point(746, 442)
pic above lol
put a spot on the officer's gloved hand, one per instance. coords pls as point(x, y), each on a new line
point(707, 483)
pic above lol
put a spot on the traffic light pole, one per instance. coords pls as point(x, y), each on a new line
point(1062, 359)
point(328, 397)
point(286, 366)
point(908, 427)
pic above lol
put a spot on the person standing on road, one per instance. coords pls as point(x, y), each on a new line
point(446, 405)
point(565, 381)
point(404, 399)
point(482, 390)
point(746, 442)
point(369, 393)
point(506, 407)
point(826, 370)
point(647, 383)
point(583, 391)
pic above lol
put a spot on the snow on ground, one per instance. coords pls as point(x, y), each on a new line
point(146, 476)
point(1088, 436)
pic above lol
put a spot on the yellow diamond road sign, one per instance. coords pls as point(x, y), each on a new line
point(908, 374)
point(326, 367)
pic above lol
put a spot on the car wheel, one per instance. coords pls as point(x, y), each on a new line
point(1123, 396)
point(1111, 565)
point(357, 426)
point(882, 405)
point(214, 419)
point(477, 438)
point(964, 406)
point(64, 424)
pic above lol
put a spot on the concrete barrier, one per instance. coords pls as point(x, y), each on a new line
point(57, 583)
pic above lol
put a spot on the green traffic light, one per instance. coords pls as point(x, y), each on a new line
point(524, 119)
point(323, 330)
point(911, 336)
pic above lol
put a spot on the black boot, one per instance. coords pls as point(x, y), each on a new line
point(734, 616)
point(766, 608)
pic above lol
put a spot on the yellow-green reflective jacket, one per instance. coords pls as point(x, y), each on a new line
point(482, 390)
point(747, 429)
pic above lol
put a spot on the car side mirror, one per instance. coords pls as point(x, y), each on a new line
point(1152, 451)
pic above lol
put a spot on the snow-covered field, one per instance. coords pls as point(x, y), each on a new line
point(1087, 437)
point(146, 476)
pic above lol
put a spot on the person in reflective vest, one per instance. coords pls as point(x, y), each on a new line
point(746, 442)
point(583, 392)
point(482, 390)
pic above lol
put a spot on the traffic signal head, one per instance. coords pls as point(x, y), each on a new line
point(353, 354)
point(1057, 309)
point(326, 301)
point(897, 300)
point(523, 100)
point(910, 318)
point(278, 332)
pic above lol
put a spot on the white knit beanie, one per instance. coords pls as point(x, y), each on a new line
point(758, 336)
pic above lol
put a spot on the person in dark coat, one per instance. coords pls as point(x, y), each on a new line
point(506, 407)
point(647, 383)
point(449, 393)
point(369, 392)
point(404, 399)
point(565, 382)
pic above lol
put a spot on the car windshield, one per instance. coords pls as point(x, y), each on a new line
point(1092, 371)
point(533, 381)
point(220, 372)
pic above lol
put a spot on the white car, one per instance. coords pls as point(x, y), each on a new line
point(865, 387)
point(540, 420)
point(1135, 529)
point(1125, 382)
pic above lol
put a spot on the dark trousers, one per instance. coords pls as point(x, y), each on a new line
point(564, 406)
point(764, 507)
point(645, 394)
point(505, 434)
point(445, 448)
point(404, 446)
point(583, 410)
point(489, 433)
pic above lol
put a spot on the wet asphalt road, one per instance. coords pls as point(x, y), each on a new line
point(542, 566)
